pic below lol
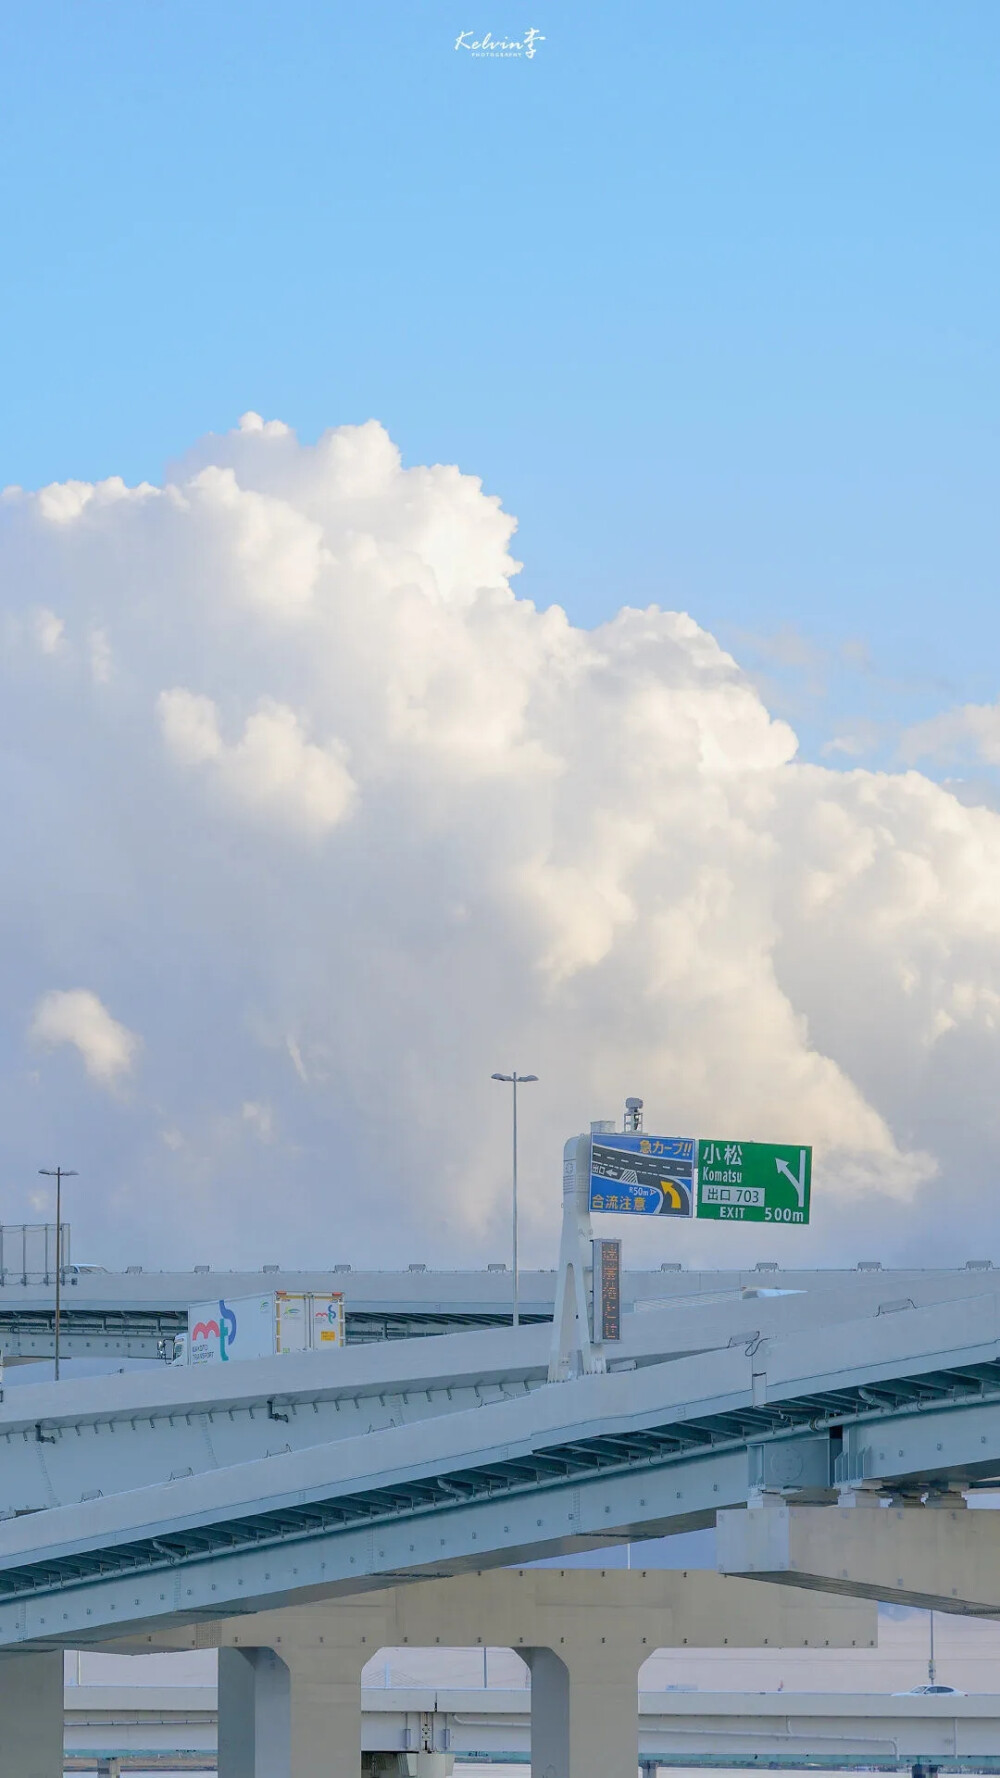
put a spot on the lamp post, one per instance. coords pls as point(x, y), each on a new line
point(515, 1080)
point(58, 1174)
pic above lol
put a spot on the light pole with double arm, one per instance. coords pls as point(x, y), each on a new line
point(515, 1080)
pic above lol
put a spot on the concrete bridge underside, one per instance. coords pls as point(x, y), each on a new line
point(290, 1697)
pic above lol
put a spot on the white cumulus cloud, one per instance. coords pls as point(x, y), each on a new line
point(48, 631)
point(296, 774)
point(970, 731)
point(272, 769)
point(78, 1017)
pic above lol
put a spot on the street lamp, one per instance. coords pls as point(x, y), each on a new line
point(58, 1174)
point(515, 1080)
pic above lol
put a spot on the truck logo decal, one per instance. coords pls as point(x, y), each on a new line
point(227, 1329)
point(224, 1330)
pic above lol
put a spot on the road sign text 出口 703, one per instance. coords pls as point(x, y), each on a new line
point(754, 1181)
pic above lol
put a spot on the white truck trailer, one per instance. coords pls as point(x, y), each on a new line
point(260, 1326)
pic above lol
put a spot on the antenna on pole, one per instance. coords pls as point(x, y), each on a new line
point(633, 1117)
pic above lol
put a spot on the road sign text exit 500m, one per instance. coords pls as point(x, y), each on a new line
point(754, 1182)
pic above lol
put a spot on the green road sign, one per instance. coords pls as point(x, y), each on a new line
point(754, 1181)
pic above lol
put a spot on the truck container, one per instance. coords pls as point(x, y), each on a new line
point(260, 1326)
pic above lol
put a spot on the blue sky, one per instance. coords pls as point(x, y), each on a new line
point(708, 293)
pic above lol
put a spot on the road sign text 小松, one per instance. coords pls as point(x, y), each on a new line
point(754, 1181)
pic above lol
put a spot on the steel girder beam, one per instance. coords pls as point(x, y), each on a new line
point(567, 1516)
point(906, 1448)
point(596, 1461)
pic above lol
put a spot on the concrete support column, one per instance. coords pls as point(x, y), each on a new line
point(584, 1711)
point(254, 1714)
point(325, 1710)
point(31, 1715)
point(297, 1715)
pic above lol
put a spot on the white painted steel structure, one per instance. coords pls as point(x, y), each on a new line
point(175, 1493)
point(840, 1731)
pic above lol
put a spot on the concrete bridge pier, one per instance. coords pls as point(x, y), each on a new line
point(31, 1715)
point(254, 1714)
point(293, 1715)
point(290, 1680)
point(325, 1736)
point(585, 1710)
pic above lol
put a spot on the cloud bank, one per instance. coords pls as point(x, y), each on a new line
point(75, 1016)
point(298, 785)
point(970, 732)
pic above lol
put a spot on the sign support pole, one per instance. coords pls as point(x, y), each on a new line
point(574, 1352)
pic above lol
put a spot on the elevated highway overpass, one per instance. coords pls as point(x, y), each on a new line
point(181, 1497)
point(137, 1313)
point(138, 1726)
point(175, 1492)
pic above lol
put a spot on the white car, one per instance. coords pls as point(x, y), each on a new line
point(931, 1691)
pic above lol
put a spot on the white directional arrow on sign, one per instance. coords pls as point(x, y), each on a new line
point(799, 1183)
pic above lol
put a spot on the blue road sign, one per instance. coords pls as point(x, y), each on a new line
point(643, 1175)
